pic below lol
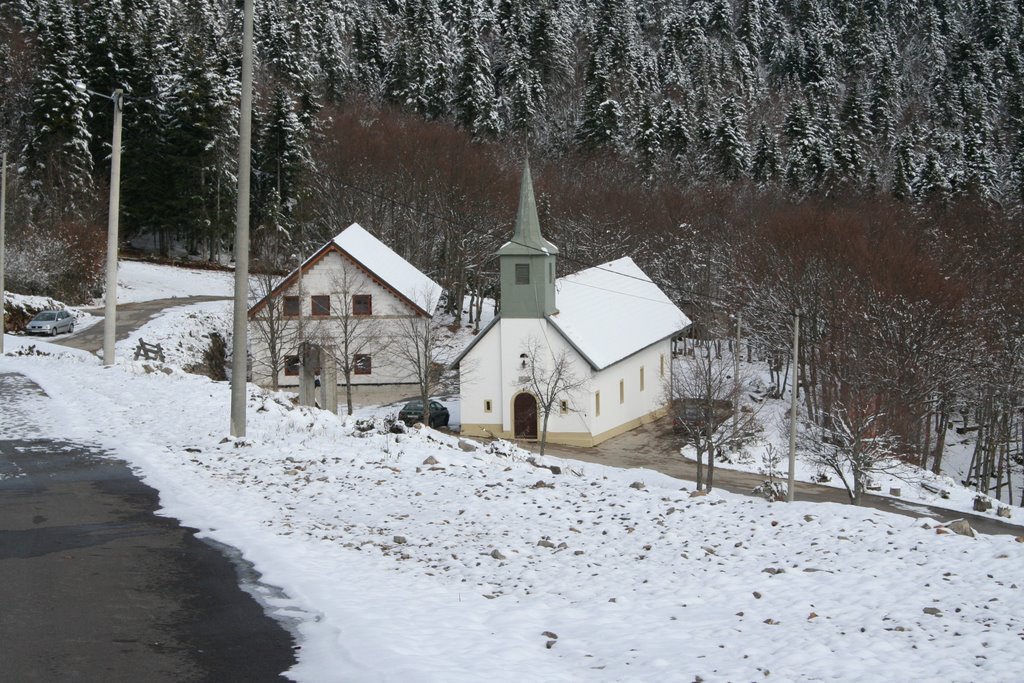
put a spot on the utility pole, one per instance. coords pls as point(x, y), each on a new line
point(736, 376)
point(791, 485)
point(3, 227)
point(239, 357)
point(113, 209)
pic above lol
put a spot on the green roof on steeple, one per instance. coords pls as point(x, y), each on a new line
point(527, 239)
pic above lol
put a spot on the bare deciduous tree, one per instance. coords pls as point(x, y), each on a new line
point(701, 392)
point(549, 376)
point(417, 347)
point(350, 333)
point(278, 333)
point(852, 444)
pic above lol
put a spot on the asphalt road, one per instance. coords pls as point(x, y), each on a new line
point(94, 586)
point(655, 447)
point(130, 317)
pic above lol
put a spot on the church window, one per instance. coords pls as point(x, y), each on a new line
point(522, 273)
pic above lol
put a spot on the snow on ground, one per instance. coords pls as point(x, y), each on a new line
point(912, 482)
point(183, 332)
point(405, 557)
point(141, 281)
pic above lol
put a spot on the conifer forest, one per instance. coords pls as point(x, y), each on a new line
point(859, 160)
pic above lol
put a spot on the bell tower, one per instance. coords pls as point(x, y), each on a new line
point(527, 262)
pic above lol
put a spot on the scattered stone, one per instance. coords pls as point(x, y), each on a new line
point(960, 526)
point(431, 460)
point(549, 634)
point(541, 484)
point(773, 570)
point(808, 518)
point(982, 504)
point(771, 622)
point(637, 485)
point(934, 611)
point(1004, 511)
point(1019, 539)
point(545, 543)
point(577, 552)
point(941, 530)
point(698, 494)
point(496, 554)
point(563, 545)
point(466, 446)
point(812, 615)
point(191, 449)
point(399, 540)
point(757, 595)
point(398, 427)
point(549, 644)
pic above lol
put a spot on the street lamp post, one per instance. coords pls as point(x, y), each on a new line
point(113, 211)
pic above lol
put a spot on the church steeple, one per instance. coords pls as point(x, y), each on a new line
point(527, 262)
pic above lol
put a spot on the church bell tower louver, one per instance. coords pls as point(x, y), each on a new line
point(527, 262)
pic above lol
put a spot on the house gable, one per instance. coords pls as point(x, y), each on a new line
point(378, 262)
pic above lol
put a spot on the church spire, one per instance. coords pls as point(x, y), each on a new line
point(527, 262)
point(527, 238)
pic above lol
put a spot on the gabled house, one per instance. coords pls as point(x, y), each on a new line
point(341, 313)
point(610, 325)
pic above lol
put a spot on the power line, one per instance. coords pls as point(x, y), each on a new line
point(710, 297)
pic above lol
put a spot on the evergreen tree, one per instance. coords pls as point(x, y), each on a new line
point(733, 154)
point(59, 150)
point(475, 102)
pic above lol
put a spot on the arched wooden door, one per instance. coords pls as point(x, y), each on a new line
point(524, 416)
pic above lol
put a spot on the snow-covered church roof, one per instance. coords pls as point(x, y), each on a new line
point(613, 310)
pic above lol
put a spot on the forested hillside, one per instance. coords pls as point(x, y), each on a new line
point(862, 160)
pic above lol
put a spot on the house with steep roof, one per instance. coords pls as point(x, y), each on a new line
point(608, 327)
point(334, 318)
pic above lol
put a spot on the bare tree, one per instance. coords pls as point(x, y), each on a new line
point(701, 392)
point(852, 444)
point(278, 333)
point(550, 377)
point(351, 332)
point(417, 346)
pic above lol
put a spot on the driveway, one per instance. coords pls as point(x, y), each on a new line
point(130, 317)
point(654, 446)
point(96, 587)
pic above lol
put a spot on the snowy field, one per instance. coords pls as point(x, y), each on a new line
point(405, 557)
point(141, 281)
point(422, 557)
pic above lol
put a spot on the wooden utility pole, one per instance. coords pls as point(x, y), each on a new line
point(791, 484)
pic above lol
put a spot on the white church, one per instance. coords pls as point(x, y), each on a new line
point(611, 322)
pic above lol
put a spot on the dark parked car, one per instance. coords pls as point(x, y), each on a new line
point(412, 413)
point(51, 323)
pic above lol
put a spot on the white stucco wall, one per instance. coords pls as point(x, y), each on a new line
point(492, 371)
point(328, 277)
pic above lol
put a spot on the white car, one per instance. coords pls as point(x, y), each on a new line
point(51, 323)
